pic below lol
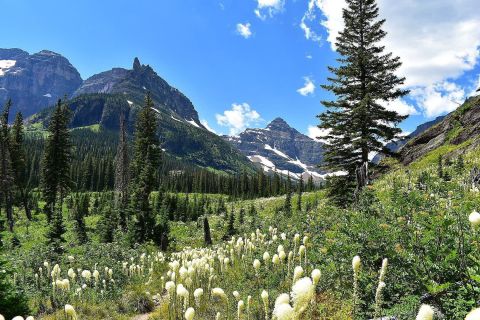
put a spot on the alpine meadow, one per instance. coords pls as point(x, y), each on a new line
point(305, 160)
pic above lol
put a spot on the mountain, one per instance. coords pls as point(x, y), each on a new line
point(281, 148)
point(395, 146)
point(102, 98)
point(457, 131)
point(35, 81)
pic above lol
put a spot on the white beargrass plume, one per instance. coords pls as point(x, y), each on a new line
point(87, 275)
point(71, 274)
point(256, 266)
point(264, 297)
point(297, 273)
point(30, 318)
point(426, 312)
point(70, 312)
point(281, 299)
point(275, 260)
point(302, 294)
point(189, 314)
point(18, 318)
point(236, 294)
point(266, 258)
point(249, 304)
point(302, 251)
point(474, 218)
point(383, 270)
point(473, 315)
point(197, 294)
point(284, 312)
point(290, 259)
point(240, 307)
point(356, 264)
point(2, 317)
point(217, 317)
point(379, 299)
point(316, 274)
point(183, 292)
point(220, 294)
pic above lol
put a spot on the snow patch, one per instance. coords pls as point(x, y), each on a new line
point(193, 123)
point(280, 153)
point(156, 110)
point(173, 118)
point(48, 95)
point(5, 65)
point(129, 102)
point(263, 161)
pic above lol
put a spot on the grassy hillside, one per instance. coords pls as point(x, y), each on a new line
point(413, 216)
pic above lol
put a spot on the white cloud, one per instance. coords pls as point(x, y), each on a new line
point(317, 134)
point(268, 8)
point(401, 107)
point(439, 98)
point(308, 87)
point(437, 41)
point(309, 56)
point(238, 118)
point(205, 124)
point(244, 30)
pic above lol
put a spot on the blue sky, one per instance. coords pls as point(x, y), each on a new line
point(243, 68)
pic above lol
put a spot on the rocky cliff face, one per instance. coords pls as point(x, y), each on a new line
point(135, 83)
point(281, 148)
point(35, 81)
point(461, 127)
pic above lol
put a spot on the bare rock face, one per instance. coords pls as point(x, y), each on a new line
point(460, 126)
point(281, 148)
point(35, 81)
point(135, 83)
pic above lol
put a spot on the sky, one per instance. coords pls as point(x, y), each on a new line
point(245, 62)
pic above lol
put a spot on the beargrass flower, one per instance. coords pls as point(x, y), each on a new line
point(240, 307)
point(474, 218)
point(70, 312)
point(356, 264)
point(472, 315)
point(264, 297)
point(189, 314)
point(316, 274)
point(426, 312)
point(297, 273)
point(302, 293)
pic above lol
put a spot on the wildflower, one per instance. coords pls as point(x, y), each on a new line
point(2, 317)
point(264, 297)
point(236, 295)
point(256, 266)
point(217, 317)
point(281, 299)
point(425, 313)
point(383, 270)
point(266, 257)
point(71, 259)
point(96, 275)
point(302, 294)
point(71, 274)
point(472, 315)
point(276, 259)
point(18, 318)
point(297, 273)
point(316, 276)
point(379, 298)
point(356, 263)
point(170, 287)
point(240, 307)
point(219, 293)
point(189, 314)
point(30, 318)
point(249, 303)
point(87, 275)
point(474, 218)
point(284, 312)
point(197, 294)
point(70, 312)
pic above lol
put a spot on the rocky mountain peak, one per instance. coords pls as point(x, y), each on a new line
point(278, 124)
point(136, 64)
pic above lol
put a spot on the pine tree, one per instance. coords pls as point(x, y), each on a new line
point(241, 216)
point(440, 166)
point(287, 207)
point(80, 211)
point(17, 154)
point(6, 174)
point(231, 231)
point(146, 163)
point(252, 212)
point(122, 175)
point(365, 80)
point(299, 194)
point(56, 179)
point(206, 232)
point(162, 228)
point(56, 231)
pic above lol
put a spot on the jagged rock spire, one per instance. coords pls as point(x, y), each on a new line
point(136, 64)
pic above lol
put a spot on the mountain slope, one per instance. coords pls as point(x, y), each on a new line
point(104, 97)
point(281, 148)
point(459, 129)
point(35, 81)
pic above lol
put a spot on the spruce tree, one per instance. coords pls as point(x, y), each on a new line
point(146, 162)
point(287, 207)
point(122, 174)
point(56, 161)
point(299, 194)
point(80, 211)
point(206, 232)
point(6, 174)
point(364, 81)
point(17, 154)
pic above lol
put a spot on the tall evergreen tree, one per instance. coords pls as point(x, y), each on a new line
point(146, 162)
point(56, 179)
point(122, 174)
point(206, 232)
point(6, 174)
point(17, 154)
point(287, 207)
point(364, 82)
point(299, 194)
